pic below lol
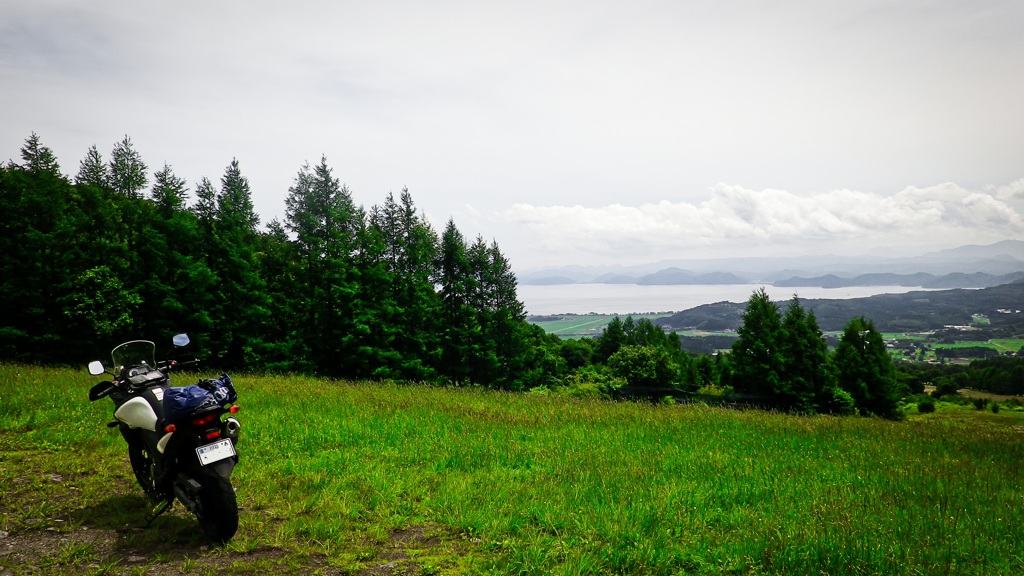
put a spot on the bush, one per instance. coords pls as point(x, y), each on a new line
point(945, 388)
point(980, 403)
point(644, 366)
point(995, 408)
point(926, 406)
point(841, 403)
point(588, 382)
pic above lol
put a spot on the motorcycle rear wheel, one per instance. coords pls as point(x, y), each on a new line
point(218, 514)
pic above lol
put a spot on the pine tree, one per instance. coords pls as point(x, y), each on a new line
point(757, 362)
point(127, 170)
point(460, 330)
point(327, 224)
point(205, 207)
point(37, 254)
point(169, 192)
point(807, 367)
point(92, 170)
point(865, 370)
point(398, 270)
point(38, 158)
point(241, 306)
point(613, 337)
point(235, 210)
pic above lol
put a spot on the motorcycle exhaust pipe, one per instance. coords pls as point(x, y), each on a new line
point(231, 428)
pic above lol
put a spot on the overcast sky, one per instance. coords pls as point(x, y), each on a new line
point(572, 132)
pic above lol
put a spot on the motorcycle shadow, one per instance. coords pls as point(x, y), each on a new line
point(127, 518)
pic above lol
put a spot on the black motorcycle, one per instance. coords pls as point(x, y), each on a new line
point(178, 444)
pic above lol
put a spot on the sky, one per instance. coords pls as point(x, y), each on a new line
point(569, 132)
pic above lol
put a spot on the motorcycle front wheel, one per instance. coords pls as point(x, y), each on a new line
point(142, 465)
point(218, 513)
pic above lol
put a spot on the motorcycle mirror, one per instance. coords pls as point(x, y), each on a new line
point(96, 368)
point(180, 340)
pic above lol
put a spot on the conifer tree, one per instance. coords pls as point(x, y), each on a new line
point(402, 248)
point(241, 306)
point(613, 337)
point(38, 158)
point(205, 207)
point(807, 367)
point(757, 362)
point(92, 170)
point(127, 170)
point(326, 223)
point(169, 192)
point(865, 369)
point(460, 330)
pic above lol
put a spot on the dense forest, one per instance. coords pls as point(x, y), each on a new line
point(348, 292)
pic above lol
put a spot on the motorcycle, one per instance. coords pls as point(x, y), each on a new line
point(178, 445)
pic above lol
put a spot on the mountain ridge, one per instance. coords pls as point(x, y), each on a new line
point(1001, 259)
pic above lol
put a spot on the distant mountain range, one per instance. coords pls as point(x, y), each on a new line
point(1000, 306)
point(964, 267)
point(922, 279)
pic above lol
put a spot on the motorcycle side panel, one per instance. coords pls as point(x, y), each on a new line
point(137, 413)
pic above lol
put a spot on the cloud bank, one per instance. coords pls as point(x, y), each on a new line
point(762, 222)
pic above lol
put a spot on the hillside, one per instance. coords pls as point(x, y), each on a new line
point(371, 479)
point(910, 312)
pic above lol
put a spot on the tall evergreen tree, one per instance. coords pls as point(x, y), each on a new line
point(326, 223)
point(127, 170)
point(865, 369)
point(38, 158)
point(169, 192)
point(205, 207)
point(235, 212)
point(37, 256)
point(241, 306)
point(460, 331)
point(613, 337)
point(285, 339)
point(92, 170)
point(398, 275)
point(807, 367)
point(757, 360)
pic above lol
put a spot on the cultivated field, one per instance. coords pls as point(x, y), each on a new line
point(358, 478)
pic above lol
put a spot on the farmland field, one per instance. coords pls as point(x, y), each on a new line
point(581, 325)
point(377, 478)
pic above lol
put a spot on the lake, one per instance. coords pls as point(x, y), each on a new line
point(637, 299)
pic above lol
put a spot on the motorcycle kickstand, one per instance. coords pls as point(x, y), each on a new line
point(161, 507)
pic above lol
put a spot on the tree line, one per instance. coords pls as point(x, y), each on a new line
point(335, 289)
point(343, 291)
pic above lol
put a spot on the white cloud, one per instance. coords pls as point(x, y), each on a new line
point(734, 217)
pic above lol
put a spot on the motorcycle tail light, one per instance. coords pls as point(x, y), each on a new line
point(212, 435)
point(170, 428)
point(204, 420)
point(234, 409)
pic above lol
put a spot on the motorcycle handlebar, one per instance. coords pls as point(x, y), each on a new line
point(168, 365)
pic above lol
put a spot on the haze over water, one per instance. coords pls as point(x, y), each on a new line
point(637, 299)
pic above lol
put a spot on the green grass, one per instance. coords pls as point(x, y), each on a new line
point(460, 481)
point(580, 325)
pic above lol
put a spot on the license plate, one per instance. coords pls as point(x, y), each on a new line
point(215, 452)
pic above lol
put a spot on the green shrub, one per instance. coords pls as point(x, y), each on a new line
point(926, 406)
point(945, 388)
point(995, 408)
point(980, 403)
point(842, 403)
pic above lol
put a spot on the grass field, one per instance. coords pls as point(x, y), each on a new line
point(582, 325)
point(343, 478)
